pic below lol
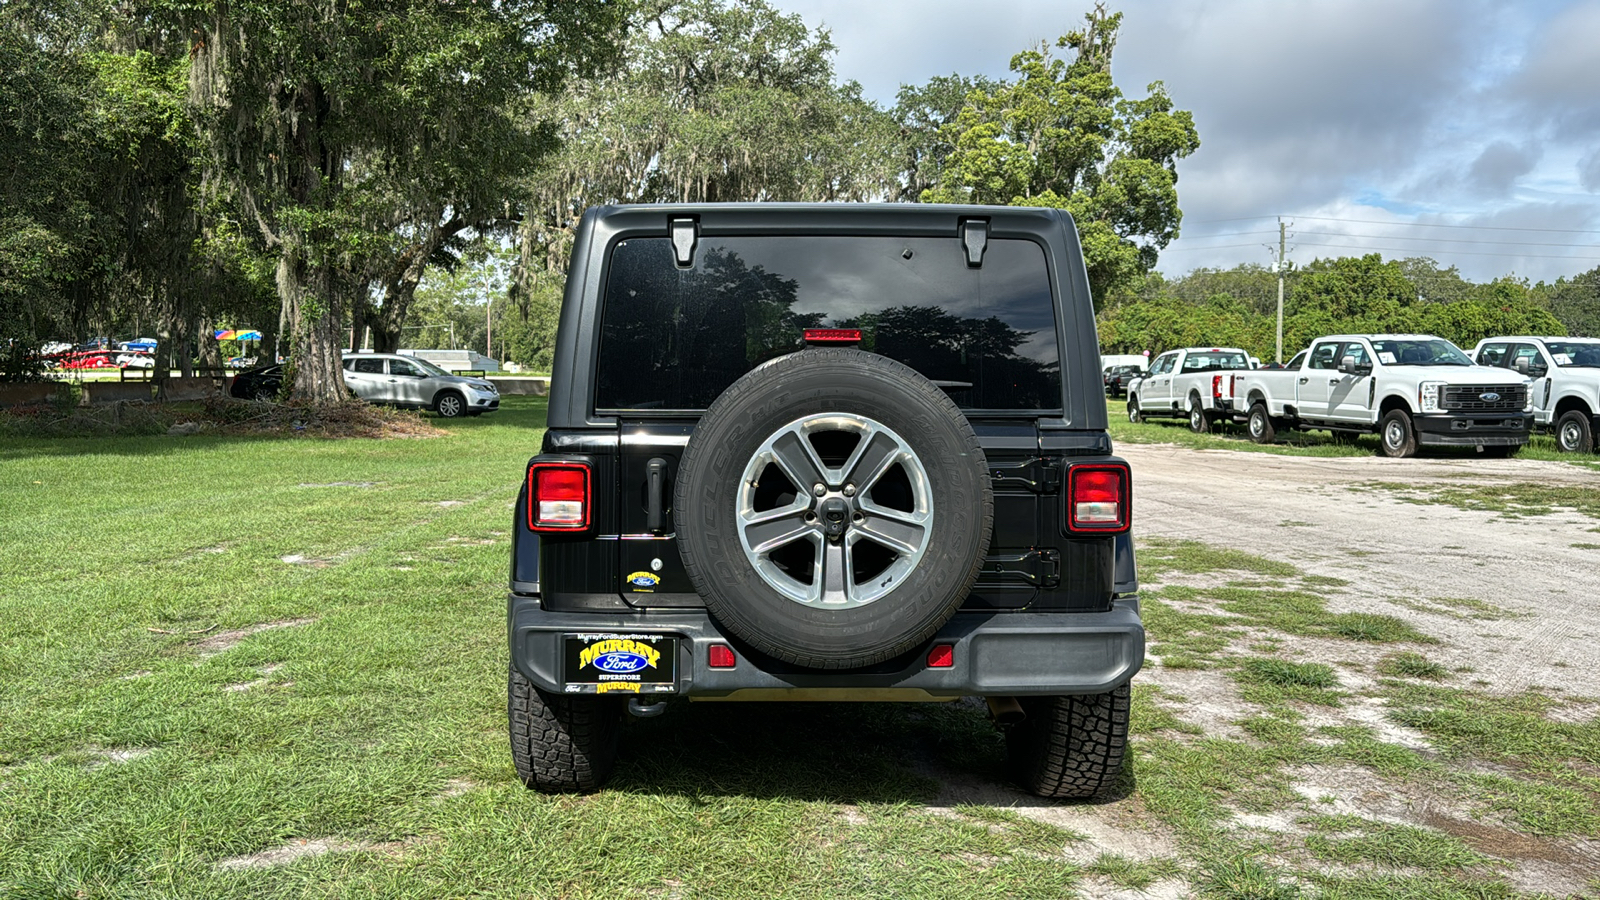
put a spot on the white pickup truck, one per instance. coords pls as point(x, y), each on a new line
point(1566, 382)
point(1195, 382)
point(1409, 389)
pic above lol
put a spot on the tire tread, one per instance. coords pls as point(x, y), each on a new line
point(1071, 747)
point(559, 744)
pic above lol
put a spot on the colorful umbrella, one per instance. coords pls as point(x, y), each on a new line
point(231, 335)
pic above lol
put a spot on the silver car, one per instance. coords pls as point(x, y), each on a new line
point(416, 383)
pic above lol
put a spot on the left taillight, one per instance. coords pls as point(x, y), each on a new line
point(1100, 498)
point(559, 497)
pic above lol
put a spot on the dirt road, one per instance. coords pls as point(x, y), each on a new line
point(1313, 513)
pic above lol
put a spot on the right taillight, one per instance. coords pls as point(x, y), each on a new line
point(558, 497)
point(1099, 497)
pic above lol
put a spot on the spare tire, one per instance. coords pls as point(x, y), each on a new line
point(833, 508)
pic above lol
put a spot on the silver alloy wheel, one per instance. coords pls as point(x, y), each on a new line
point(900, 536)
point(1196, 418)
point(1571, 434)
point(450, 406)
point(1133, 411)
point(1394, 434)
point(1258, 424)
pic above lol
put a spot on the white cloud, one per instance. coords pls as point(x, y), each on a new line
point(1465, 112)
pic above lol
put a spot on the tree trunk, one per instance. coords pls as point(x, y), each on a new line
point(360, 318)
point(313, 297)
point(400, 284)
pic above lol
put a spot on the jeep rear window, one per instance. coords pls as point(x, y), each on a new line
point(675, 339)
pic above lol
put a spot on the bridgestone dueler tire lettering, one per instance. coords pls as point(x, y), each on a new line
point(1070, 747)
point(560, 744)
point(775, 394)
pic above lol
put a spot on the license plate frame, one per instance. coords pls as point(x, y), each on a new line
point(616, 663)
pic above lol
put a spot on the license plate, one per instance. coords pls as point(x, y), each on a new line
point(621, 664)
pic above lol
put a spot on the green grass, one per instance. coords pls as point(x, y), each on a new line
point(153, 728)
point(1133, 874)
point(1270, 681)
point(133, 762)
point(1515, 500)
point(1409, 664)
point(1354, 840)
point(1158, 556)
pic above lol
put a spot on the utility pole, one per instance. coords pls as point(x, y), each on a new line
point(488, 327)
point(1280, 266)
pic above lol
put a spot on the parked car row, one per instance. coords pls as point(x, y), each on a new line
point(1412, 390)
point(392, 379)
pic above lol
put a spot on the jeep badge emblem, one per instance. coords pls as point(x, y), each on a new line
point(1490, 397)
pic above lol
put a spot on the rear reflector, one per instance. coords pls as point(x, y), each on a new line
point(558, 497)
point(833, 335)
point(942, 656)
point(1101, 498)
point(720, 656)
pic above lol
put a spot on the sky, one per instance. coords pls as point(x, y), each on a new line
point(1463, 130)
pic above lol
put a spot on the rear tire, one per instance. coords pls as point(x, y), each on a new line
point(1198, 423)
point(1070, 747)
point(1574, 432)
point(560, 744)
point(1261, 427)
point(1397, 437)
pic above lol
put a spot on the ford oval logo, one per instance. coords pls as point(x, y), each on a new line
point(1490, 397)
point(620, 661)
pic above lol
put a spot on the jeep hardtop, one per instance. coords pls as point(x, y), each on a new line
point(825, 452)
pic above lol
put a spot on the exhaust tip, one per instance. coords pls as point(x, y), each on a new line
point(1005, 711)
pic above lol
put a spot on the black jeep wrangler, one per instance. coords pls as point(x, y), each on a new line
point(825, 452)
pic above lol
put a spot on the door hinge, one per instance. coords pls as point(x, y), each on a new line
point(685, 234)
point(1040, 568)
point(1041, 475)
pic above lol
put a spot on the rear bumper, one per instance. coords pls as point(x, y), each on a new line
point(996, 654)
point(1473, 430)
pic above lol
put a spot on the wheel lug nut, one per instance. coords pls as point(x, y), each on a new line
point(819, 489)
point(849, 490)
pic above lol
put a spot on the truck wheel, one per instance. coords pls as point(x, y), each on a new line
point(1198, 423)
point(1574, 433)
point(1134, 414)
point(1070, 746)
point(1262, 429)
point(834, 508)
point(1397, 436)
point(560, 744)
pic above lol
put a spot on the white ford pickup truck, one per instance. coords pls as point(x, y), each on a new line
point(1409, 389)
point(1566, 382)
point(1193, 382)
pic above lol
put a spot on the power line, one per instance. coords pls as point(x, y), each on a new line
point(1476, 227)
point(1213, 246)
point(1418, 251)
point(1406, 224)
point(1401, 237)
point(1197, 237)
